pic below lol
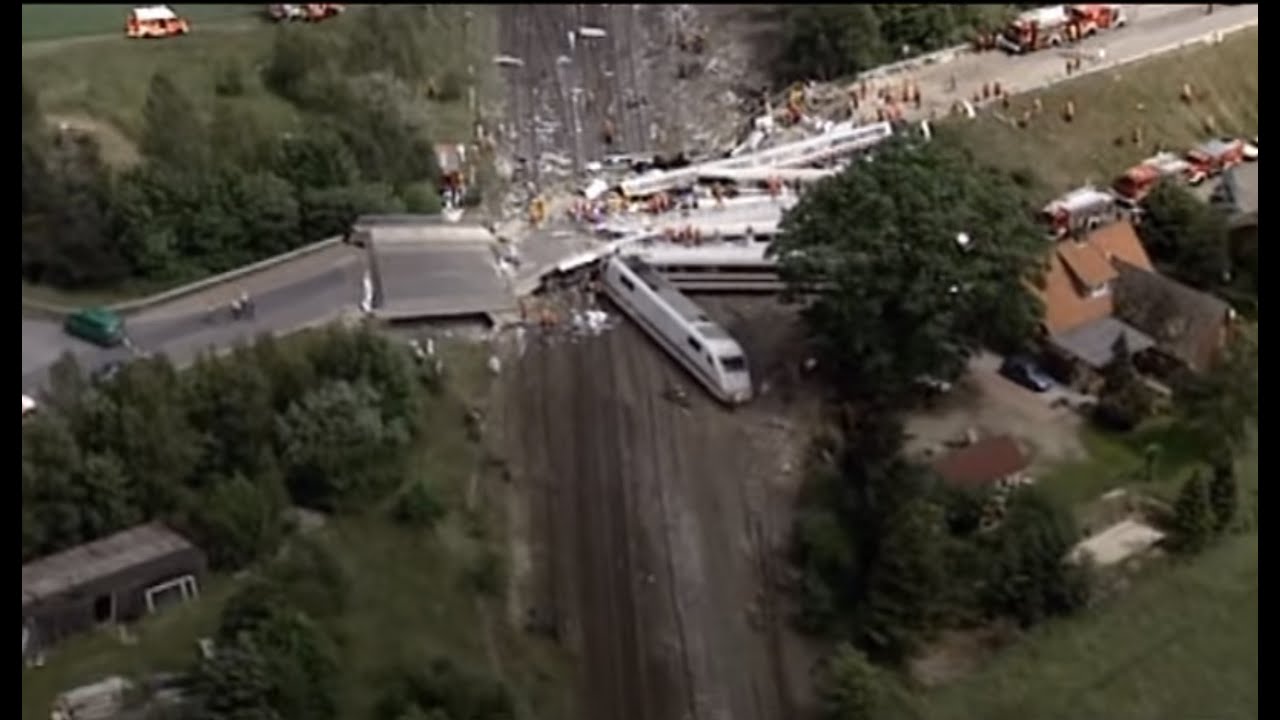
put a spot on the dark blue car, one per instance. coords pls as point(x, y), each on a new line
point(1025, 372)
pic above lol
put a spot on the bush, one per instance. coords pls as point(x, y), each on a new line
point(418, 506)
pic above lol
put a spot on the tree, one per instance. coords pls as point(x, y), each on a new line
point(912, 28)
point(66, 225)
point(906, 582)
point(335, 444)
point(316, 159)
point(848, 686)
point(298, 657)
point(239, 138)
point(238, 521)
point(150, 428)
point(1193, 518)
point(418, 506)
point(235, 684)
point(378, 120)
point(173, 132)
point(917, 259)
point(299, 65)
point(1186, 236)
point(824, 42)
point(1026, 576)
point(1224, 494)
point(1124, 401)
point(70, 495)
point(1219, 406)
point(327, 212)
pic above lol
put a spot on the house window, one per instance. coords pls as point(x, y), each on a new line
point(697, 347)
point(626, 283)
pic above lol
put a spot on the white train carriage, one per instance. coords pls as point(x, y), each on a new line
point(680, 327)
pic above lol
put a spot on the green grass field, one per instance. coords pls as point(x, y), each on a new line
point(1097, 146)
point(408, 600)
point(56, 22)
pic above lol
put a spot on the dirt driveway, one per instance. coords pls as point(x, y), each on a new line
point(989, 404)
point(654, 532)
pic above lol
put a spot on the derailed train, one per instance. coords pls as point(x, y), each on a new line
point(686, 333)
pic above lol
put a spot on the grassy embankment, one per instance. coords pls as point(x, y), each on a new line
point(1098, 144)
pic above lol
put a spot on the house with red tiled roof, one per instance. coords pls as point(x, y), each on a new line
point(1103, 286)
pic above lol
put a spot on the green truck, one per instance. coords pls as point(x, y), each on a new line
point(97, 325)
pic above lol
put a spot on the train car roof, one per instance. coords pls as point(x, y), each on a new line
point(718, 340)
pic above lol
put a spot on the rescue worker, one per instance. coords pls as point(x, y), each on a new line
point(246, 304)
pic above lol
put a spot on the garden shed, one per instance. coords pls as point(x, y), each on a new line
point(119, 578)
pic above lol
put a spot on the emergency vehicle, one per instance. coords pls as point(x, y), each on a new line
point(1211, 158)
point(314, 12)
point(155, 21)
point(1057, 25)
point(1137, 182)
point(1083, 209)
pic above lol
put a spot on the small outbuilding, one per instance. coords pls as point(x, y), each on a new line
point(119, 578)
point(989, 462)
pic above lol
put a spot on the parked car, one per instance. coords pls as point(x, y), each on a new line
point(1024, 371)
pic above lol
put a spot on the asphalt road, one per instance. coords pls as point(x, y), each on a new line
point(296, 302)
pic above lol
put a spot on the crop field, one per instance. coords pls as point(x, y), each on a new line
point(56, 22)
point(1112, 106)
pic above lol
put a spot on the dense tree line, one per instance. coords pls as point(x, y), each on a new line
point(823, 42)
point(907, 264)
point(215, 189)
point(219, 450)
